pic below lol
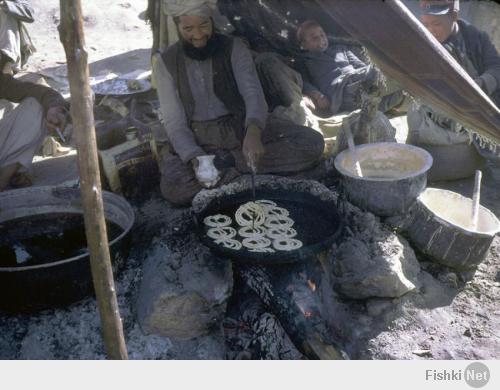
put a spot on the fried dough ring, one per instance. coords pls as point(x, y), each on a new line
point(250, 214)
point(256, 242)
point(279, 222)
point(218, 220)
point(276, 212)
point(279, 232)
point(221, 233)
point(262, 250)
point(229, 243)
point(287, 244)
point(249, 231)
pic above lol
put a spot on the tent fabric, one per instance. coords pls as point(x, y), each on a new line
point(405, 51)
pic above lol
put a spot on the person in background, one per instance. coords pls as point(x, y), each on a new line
point(212, 103)
point(455, 157)
point(22, 130)
point(15, 44)
point(334, 75)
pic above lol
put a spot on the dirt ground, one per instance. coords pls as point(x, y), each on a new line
point(451, 316)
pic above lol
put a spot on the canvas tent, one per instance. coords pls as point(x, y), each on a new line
point(387, 29)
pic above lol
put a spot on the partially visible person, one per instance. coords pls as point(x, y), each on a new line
point(212, 103)
point(334, 75)
point(447, 140)
point(22, 130)
point(15, 44)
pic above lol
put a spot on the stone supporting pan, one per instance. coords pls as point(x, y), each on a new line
point(440, 226)
point(393, 175)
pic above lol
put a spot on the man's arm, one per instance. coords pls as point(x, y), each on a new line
point(249, 85)
point(174, 118)
point(15, 91)
point(354, 59)
point(19, 9)
point(491, 61)
point(255, 102)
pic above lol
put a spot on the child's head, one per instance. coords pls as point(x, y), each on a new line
point(312, 37)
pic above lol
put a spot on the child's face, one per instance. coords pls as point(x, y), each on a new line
point(315, 40)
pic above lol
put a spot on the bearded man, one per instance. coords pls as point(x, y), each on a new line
point(212, 103)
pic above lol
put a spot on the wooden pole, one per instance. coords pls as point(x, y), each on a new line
point(72, 38)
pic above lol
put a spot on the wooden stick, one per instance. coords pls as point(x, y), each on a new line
point(72, 37)
point(475, 199)
point(352, 150)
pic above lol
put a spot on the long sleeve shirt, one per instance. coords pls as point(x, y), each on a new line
point(15, 91)
point(330, 67)
point(207, 105)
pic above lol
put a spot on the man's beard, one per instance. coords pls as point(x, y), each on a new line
point(201, 53)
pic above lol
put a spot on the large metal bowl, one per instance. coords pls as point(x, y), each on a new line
point(58, 283)
point(441, 227)
point(394, 175)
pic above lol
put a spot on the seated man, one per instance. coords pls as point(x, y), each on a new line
point(212, 103)
point(336, 74)
point(447, 140)
point(15, 45)
point(23, 130)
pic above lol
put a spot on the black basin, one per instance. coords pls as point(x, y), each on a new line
point(63, 281)
point(317, 222)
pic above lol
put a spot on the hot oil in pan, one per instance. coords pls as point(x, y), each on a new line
point(45, 238)
point(311, 224)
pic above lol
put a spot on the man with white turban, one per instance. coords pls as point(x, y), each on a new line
point(212, 103)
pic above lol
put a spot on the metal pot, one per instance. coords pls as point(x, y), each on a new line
point(36, 287)
point(440, 227)
point(393, 176)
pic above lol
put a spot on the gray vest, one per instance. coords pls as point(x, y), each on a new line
point(225, 86)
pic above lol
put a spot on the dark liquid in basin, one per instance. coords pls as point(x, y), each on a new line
point(45, 238)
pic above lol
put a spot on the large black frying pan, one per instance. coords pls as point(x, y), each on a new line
point(317, 222)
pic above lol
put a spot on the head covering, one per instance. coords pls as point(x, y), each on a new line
point(439, 7)
point(201, 8)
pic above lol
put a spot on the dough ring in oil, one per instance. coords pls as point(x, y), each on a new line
point(262, 250)
point(279, 222)
point(221, 233)
point(229, 243)
point(250, 214)
point(256, 242)
point(218, 220)
point(278, 232)
point(266, 203)
point(276, 212)
point(287, 244)
point(249, 231)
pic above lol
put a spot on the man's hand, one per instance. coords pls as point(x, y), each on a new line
point(252, 147)
point(56, 118)
point(320, 101)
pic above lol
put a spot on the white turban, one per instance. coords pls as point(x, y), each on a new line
point(202, 8)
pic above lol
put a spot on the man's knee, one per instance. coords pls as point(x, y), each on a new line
point(175, 194)
point(31, 105)
point(177, 184)
point(315, 141)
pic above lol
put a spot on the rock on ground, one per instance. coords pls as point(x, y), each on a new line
point(373, 262)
